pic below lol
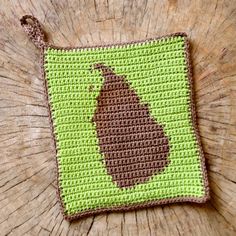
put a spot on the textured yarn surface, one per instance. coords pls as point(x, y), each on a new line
point(100, 95)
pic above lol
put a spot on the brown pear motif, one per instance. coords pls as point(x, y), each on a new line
point(133, 143)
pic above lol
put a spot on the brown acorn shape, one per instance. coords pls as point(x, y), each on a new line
point(133, 143)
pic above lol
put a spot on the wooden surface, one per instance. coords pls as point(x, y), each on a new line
point(28, 203)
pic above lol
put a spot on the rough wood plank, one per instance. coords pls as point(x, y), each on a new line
point(27, 176)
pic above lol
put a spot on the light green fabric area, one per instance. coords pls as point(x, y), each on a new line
point(157, 72)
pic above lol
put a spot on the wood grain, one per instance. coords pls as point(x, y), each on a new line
point(28, 200)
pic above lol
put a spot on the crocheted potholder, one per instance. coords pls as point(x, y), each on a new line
point(123, 123)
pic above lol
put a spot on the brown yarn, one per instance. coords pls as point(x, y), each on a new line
point(34, 30)
point(124, 146)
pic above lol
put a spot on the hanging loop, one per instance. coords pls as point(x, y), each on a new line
point(34, 30)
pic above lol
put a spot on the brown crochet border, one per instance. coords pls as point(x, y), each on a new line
point(194, 123)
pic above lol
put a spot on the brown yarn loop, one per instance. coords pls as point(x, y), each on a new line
point(34, 30)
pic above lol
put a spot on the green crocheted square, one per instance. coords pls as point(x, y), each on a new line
point(124, 126)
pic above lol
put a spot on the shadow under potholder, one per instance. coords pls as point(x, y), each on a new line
point(123, 123)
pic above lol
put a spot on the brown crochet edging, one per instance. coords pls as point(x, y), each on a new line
point(194, 119)
point(194, 123)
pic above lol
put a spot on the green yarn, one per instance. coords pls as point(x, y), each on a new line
point(157, 71)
